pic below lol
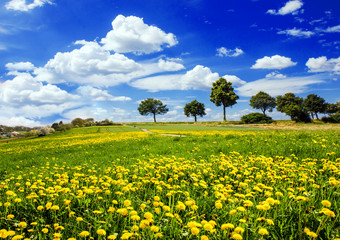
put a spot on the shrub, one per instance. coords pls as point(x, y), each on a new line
point(334, 118)
point(45, 130)
point(256, 118)
point(31, 133)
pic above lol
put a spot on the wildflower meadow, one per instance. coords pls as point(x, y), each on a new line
point(213, 182)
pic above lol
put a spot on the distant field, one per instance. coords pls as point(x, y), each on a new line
point(220, 182)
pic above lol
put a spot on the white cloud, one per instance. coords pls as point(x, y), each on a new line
point(274, 62)
point(99, 95)
point(18, 121)
point(90, 58)
point(170, 65)
point(22, 6)
point(20, 66)
point(279, 86)
point(297, 33)
point(234, 80)
point(332, 29)
point(275, 75)
point(131, 34)
point(224, 52)
point(23, 89)
point(199, 78)
point(321, 64)
point(290, 7)
point(91, 65)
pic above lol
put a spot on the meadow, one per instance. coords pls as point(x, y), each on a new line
point(215, 182)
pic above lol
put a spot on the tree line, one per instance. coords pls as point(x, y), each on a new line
point(222, 94)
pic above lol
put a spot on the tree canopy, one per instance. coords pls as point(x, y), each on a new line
point(194, 109)
point(314, 105)
point(78, 122)
point(292, 106)
point(152, 106)
point(222, 93)
point(263, 101)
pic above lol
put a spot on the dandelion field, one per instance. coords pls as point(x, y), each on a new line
point(215, 183)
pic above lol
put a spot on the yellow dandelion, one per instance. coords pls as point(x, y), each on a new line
point(84, 234)
point(236, 236)
point(101, 232)
point(263, 231)
point(326, 203)
point(195, 231)
point(227, 226)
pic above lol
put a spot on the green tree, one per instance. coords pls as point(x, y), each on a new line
point(314, 105)
point(78, 122)
point(152, 106)
point(333, 107)
point(263, 101)
point(194, 109)
point(222, 93)
point(292, 106)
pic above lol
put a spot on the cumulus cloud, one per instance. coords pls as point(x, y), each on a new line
point(90, 58)
point(170, 65)
point(234, 80)
point(91, 65)
point(18, 121)
point(290, 7)
point(23, 89)
point(297, 33)
point(321, 64)
point(274, 62)
point(99, 95)
point(275, 75)
point(131, 34)
point(224, 52)
point(23, 6)
point(199, 78)
point(20, 66)
point(279, 86)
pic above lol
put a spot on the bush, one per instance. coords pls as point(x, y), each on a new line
point(45, 130)
point(256, 118)
point(334, 118)
point(31, 133)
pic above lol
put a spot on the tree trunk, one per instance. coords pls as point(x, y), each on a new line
point(316, 114)
point(195, 118)
point(311, 113)
point(264, 111)
point(224, 119)
point(154, 117)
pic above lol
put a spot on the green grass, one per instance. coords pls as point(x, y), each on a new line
point(242, 140)
point(207, 165)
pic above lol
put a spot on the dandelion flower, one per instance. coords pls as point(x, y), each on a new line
point(195, 231)
point(84, 234)
point(227, 226)
point(326, 203)
point(236, 236)
point(263, 231)
point(101, 232)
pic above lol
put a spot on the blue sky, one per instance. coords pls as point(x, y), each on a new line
point(62, 59)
